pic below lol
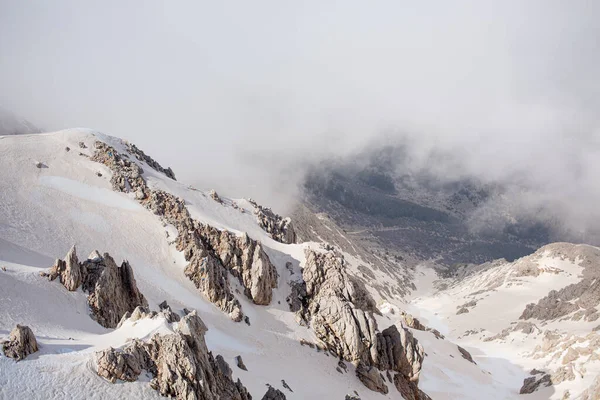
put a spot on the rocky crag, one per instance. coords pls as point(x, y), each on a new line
point(112, 290)
point(340, 311)
point(279, 228)
point(180, 363)
point(210, 253)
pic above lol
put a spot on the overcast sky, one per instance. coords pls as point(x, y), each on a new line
point(237, 95)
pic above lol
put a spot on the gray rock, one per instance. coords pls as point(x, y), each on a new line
point(21, 343)
point(68, 271)
point(466, 355)
point(273, 394)
point(180, 364)
point(112, 290)
point(240, 363)
point(532, 383)
point(286, 386)
point(371, 378)
point(141, 156)
point(279, 228)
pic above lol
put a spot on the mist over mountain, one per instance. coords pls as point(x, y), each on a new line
point(12, 124)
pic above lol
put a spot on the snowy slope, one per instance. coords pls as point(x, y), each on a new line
point(51, 198)
point(69, 200)
point(495, 296)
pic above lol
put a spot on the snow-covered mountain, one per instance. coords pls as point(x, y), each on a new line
point(195, 295)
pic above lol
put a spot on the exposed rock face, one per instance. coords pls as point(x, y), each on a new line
point(273, 394)
point(210, 253)
point(398, 350)
point(280, 229)
point(246, 260)
point(180, 363)
point(340, 311)
point(112, 290)
point(21, 343)
point(371, 378)
point(68, 271)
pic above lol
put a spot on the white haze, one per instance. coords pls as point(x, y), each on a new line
point(242, 95)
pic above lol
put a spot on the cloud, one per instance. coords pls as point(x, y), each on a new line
point(243, 97)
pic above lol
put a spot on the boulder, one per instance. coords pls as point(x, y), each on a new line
point(21, 343)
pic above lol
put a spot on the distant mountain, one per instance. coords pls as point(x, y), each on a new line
point(12, 124)
point(376, 195)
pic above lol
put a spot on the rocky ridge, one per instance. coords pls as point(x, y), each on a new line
point(112, 290)
point(210, 253)
point(141, 156)
point(281, 229)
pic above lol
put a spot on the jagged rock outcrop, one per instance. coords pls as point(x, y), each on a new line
point(144, 312)
point(340, 312)
point(414, 323)
point(180, 363)
point(21, 343)
point(398, 350)
point(210, 253)
point(279, 228)
point(246, 260)
point(273, 394)
point(112, 290)
point(68, 271)
point(166, 311)
point(140, 155)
